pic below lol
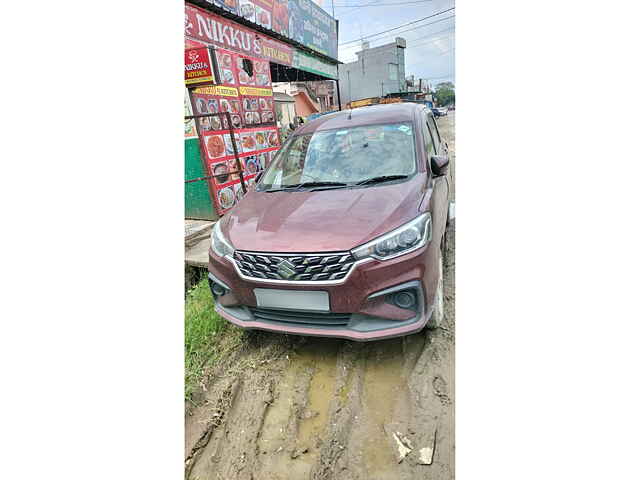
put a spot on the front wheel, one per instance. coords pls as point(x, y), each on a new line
point(437, 316)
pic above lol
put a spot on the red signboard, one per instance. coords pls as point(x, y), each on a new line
point(212, 29)
point(198, 68)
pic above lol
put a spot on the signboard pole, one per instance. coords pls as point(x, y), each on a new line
point(338, 89)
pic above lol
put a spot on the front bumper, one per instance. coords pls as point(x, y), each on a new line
point(363, 300)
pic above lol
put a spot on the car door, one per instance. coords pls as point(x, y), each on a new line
point(441, 185)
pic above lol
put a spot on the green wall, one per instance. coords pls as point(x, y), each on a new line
point(197, 201)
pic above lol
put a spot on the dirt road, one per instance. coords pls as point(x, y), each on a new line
point(284, 407)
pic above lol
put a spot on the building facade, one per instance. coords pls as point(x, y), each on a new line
point(377, 72)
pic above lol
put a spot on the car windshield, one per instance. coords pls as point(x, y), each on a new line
point(343, 156)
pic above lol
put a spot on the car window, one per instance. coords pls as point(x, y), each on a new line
point(429, 146)
point(434, 131)
point(344, 155)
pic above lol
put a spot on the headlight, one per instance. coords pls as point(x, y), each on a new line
point(220, 245)
point(404, 239)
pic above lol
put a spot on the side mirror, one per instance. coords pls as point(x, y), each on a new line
point(439, 165)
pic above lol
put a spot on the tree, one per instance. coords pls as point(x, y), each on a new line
point(445, 94)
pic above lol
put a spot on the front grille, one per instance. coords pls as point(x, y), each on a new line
point(302, 318)
point(302, 267)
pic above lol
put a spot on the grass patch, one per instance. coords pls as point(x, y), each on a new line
point(203, 332)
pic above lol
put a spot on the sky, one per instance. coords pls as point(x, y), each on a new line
point(433, 56)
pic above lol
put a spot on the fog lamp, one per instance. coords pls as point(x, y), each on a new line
point(404, 299)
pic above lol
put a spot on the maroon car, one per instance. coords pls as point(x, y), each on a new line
point(344, 232)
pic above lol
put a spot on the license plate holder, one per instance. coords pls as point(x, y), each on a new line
point(311, 300)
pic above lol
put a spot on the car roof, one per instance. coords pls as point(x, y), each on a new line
point(375, 114)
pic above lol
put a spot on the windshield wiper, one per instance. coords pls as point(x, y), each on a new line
point(299, 186)
point(383, 178)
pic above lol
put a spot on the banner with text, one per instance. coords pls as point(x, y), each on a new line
point(300, 20)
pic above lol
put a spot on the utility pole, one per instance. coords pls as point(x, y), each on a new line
point(349, 82)
point(382, 89)
point(338, 88)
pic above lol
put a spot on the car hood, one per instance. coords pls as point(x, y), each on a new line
point(321, 221)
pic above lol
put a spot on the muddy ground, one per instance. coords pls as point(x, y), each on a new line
point(285, 407)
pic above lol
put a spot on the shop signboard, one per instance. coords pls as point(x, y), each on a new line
point(311, 26)
point(198, 67)
point(315, 65)
point(300, 20)
point(364, 102)
point(212, 29)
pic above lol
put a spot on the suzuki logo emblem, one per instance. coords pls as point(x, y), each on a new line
point(286, 269)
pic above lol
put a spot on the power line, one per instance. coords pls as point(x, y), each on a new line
point(410, 45)
point(396, 28)
point(415, 28)
point(380, 4)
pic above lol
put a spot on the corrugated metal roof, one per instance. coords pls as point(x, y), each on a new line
point(283, 97)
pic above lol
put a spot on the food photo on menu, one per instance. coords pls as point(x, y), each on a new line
point(251, 164)
point(248, 142)
point(261, 140)
point(262, 80)
point(226, 197)
point(280, 17)
point(236, 121)
point(215, 146)
point(263, 17)
point(225, 65)
point(225, 106)
point(247, 10)
point(272, 138)
point(265, 117)
point(216, 124)
point(205, 124)
point(201, 106)
point(221, 172)
point(229, 145)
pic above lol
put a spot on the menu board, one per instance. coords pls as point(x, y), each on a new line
point(300, 20)
point(252, 113)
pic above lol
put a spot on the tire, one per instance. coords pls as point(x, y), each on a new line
point(437, 316)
